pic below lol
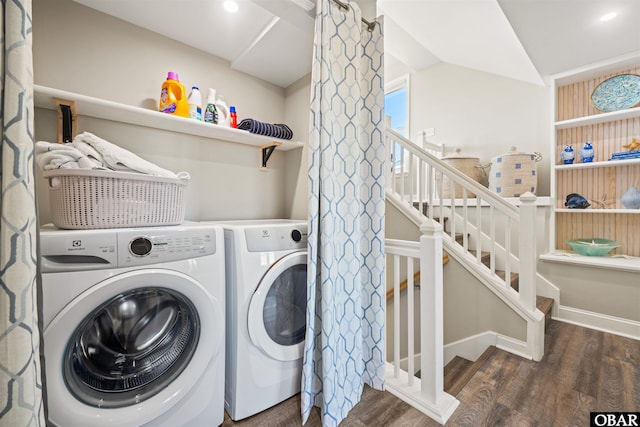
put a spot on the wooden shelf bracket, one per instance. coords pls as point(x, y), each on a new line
point(67, 119)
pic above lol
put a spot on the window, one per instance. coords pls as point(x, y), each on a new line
point(396, 106)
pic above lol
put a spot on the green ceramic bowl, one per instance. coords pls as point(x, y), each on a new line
point(593, 247)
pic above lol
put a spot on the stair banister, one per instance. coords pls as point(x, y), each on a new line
point(481, 242)
point(431, 311)
point(527, 250)
point(426, 391)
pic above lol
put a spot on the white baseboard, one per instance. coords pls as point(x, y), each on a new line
point(601, 322)
point(472, 347)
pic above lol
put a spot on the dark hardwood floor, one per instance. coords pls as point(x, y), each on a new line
point(582, 370)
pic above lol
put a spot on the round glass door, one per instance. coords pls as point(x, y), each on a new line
point(278, 309)
point(131, 347)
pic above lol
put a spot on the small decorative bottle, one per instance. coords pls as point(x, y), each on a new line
point(567, 155)
point(587, 153)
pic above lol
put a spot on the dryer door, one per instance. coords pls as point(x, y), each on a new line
point(278, 308)
point(136, 340)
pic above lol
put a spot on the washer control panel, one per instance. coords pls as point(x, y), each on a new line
point(78, 250)
point(276, 237)
point(137, 247)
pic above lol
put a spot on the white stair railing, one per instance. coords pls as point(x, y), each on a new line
point(488, 235)
point(427, 392)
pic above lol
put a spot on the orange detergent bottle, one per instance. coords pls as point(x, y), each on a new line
point(173, 97)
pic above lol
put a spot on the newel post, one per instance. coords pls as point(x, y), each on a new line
point(431, 312)
point(527, 250)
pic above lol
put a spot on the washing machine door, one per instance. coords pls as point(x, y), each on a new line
point(129, 348)
point(278, 309)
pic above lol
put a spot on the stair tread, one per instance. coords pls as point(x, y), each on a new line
point(459, 371)
point(544, 304)
point(514, 278)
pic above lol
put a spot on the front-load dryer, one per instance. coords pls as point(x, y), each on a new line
point(266, 269)
point(134, 326)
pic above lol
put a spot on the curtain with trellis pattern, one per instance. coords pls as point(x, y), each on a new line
point(344, 347)
point(21, 402)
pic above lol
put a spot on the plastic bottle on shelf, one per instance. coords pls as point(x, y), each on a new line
point(223, 111)
point(173, 96)
point(233, 117)
point(195, 104)
point(210, 111)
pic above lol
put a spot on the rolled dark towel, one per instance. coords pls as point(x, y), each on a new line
point(273, 130)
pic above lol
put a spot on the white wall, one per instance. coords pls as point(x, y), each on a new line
point(81, 50)
point(483, 114)
point(85, 51)
point(297, 102)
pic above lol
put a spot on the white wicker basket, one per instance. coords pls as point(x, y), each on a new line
point(513, 174)
point(469, 166)
point(86, 199)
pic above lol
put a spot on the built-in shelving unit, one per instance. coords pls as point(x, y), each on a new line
point(45, 97)
point(603, 182)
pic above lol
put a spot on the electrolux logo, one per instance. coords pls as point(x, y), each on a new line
point(622, 419)
point(76, 245)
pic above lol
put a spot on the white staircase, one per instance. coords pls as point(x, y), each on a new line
point(492, 238)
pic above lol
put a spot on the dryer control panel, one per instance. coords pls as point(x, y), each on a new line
point(276, 237)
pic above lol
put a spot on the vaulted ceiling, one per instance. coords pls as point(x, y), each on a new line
point(525, 40)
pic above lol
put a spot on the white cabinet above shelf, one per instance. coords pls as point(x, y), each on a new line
point(44, 97)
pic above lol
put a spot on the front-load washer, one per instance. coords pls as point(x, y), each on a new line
point(134, 326)
point(266, 270)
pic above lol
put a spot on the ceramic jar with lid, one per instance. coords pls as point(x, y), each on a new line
point(567, 155)
point(587, 153)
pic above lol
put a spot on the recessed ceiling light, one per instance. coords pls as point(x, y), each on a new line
point(608, 16)
point(231, 6)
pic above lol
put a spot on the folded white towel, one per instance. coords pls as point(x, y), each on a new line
point(117, 158)
point(88, 151)
point(62, 156)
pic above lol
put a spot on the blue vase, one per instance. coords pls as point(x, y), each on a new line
point(587, 153)
point(631, 199)
point(567, 155)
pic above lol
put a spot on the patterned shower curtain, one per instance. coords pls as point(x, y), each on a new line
point(21, 401)
point(344, 348)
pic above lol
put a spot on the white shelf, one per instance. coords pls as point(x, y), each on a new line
point(541, 201)
point(600, 211)
point(618, 263)
point(599, 118)
point(605, 164)
point(103, 109)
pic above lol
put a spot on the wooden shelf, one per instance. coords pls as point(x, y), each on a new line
point(599, 211)
point(599, 118)
point(605, 164)
point(618, 263)
point(44, 97)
